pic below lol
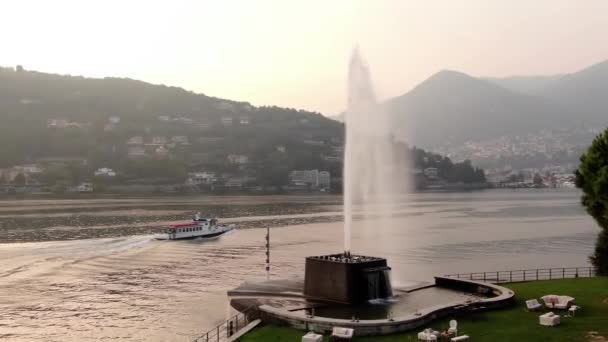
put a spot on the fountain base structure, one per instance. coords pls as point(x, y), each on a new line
point(347, 278)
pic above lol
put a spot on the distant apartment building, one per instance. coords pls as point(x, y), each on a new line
point(201, 178)
point(314, 142)
point(324, 180)
point(29, 169)
point(238, 159)
point(114, 119)
point(238, 182)
point(104, 172)
point(244, 120)
point(307, 178)
point(431, 172)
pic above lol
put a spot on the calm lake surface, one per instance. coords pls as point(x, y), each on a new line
point(106, 278)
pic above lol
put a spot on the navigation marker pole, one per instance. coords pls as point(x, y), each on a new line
point(268, 252)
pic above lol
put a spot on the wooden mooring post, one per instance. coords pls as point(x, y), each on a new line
point(268, 252)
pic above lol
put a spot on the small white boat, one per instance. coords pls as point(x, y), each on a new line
point(197, 228)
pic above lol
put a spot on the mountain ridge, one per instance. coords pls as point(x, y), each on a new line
point(452, 107)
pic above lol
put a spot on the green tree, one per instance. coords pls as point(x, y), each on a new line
point(19, 179)
point(592, 178)
point(538, 180)
point(55, 173)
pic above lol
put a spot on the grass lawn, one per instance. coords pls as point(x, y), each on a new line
point(514, 324)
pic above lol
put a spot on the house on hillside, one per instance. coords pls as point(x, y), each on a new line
point(62, 161)
point(200, 159)
point(161, 152)
point(227, 120)
point(180, 139)
point(29, 172)
point(57, 123)
point(209, 140)
point(225, 106)
point(203, 125)
point(136, 140)
point(159, 140)
point(244, 120)
point(332, 159)
point(312, 142)
point(431, 173)
point(83, 187)
point(64, 123)
point(136, 151)
point(104, 172)
point(30, 169)
point(183, 120)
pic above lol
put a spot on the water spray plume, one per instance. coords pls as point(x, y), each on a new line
point(375, 174)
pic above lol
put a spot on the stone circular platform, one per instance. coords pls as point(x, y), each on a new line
point(282, 302)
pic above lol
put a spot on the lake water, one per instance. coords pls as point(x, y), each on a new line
point(134, 288)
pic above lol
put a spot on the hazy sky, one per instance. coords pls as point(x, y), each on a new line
point(295, 53)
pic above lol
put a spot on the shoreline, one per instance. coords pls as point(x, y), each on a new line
point(140, 195)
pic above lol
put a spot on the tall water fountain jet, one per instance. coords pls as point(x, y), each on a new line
point(375, 169)
point(375, 174)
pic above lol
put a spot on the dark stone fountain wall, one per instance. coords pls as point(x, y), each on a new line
point(346, 279)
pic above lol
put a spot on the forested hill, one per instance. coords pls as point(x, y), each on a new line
point(32, 102)
point(155, 134)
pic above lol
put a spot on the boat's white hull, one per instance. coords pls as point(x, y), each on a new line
point(208, 232)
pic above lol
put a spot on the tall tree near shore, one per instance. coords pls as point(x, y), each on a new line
point(592, 178)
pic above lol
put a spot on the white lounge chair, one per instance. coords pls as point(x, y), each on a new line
point(549, 319)
point(342, 334)
point(557, 302)
point(312, 337)
point(533, 305)
point(460, 338)
point(573, 309)
point(453, 329)
point(428, 335)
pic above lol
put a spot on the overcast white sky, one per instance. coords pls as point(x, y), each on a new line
point(295, 53)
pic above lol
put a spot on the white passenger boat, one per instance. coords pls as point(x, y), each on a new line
point(197, 228)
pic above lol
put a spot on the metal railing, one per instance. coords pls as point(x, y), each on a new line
point(231, 326)
point(512, 276)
